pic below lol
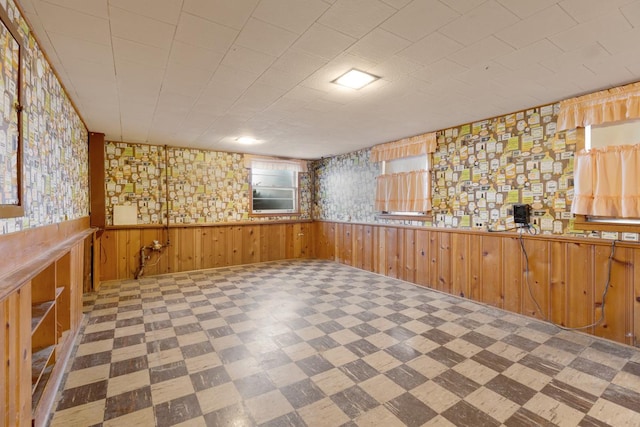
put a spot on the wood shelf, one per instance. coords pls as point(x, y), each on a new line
point(38, 313)
point(38, 390)
point(40, 359)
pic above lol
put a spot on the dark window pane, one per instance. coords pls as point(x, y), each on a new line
point(266, 204)
point(272, 193)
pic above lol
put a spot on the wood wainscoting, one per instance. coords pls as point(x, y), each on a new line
point(567, 275)
point(199, 247)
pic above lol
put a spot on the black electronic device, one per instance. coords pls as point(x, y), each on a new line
point(521, 213)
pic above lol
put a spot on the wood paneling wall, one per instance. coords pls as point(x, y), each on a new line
point(15, 357)
point(567, 276)
point(193, 248)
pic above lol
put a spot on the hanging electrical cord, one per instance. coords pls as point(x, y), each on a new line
point(535, 301)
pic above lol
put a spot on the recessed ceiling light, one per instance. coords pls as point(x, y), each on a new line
point(247, 140)
point(355, 79)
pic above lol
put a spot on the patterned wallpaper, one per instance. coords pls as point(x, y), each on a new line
point(481, 169)
point(204, 186)
point(345, 187)
point(55, 160)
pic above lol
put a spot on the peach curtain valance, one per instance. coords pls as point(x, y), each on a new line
point(404, 192)
point(406, 147)
point(274, 163)
point(611, 105)
point(607, 182)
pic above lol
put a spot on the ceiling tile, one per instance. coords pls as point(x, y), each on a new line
point(622, 42)
point(631, 11)
point(248, 60)
point(69, 48)
point(431, 48)
point(589, 32)
point(438, 70)
point(299, 62)
point(228, 83)
point(586, 10)
point(304, 94)
point(94, 89)
point(292, 15)
point(396, 68)
point(378, 45)
point(185, 80)
point(480, 22)
point(162, 10)
point(74, 24)
point(485, 49)
point(98, 71)
point(463, 6)
point(543, 24)
point(231, 13)
point(171, 101)
point(356, 17)
point(90, 7)
point(568, 60)
point(323, 42)
point(397, 4)
point(420, 18)
point(281, 79)
point(265, 38)
point(199, 32)
point(212, 105)
point(139, 78)
point(526, 8)
point(132, 26)
point(261, 96)
point(136, 52)
point(536, 52)
point(186, 54)
point(613, 67)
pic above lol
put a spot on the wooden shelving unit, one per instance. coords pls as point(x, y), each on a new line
point(41, 301)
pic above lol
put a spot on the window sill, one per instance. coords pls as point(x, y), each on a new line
point(582, 223)
point(274, 214)
point(405, 217)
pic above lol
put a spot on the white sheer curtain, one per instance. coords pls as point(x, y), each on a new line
point(607, 182)
point(404, 192)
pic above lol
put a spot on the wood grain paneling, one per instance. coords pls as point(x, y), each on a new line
point(565, 276)
point(193, 248)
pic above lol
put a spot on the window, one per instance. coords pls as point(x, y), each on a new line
point(404, 187)
point(274, 191)
point(274, 184)
point(407, 178)
point(607, 195)
point(606, 173)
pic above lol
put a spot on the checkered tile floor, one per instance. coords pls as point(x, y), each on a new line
point(314, 343)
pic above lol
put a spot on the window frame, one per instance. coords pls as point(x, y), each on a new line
point(276, 212)
point(16, 210)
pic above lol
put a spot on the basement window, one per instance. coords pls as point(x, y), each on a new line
point(274, 191)
point(409, 185)
point(274, 184)
point(600, 137)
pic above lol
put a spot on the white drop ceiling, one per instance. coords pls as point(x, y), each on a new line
point(201, 73)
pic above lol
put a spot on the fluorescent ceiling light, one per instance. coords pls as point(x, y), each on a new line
point(247, 140)
point(355, 79)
